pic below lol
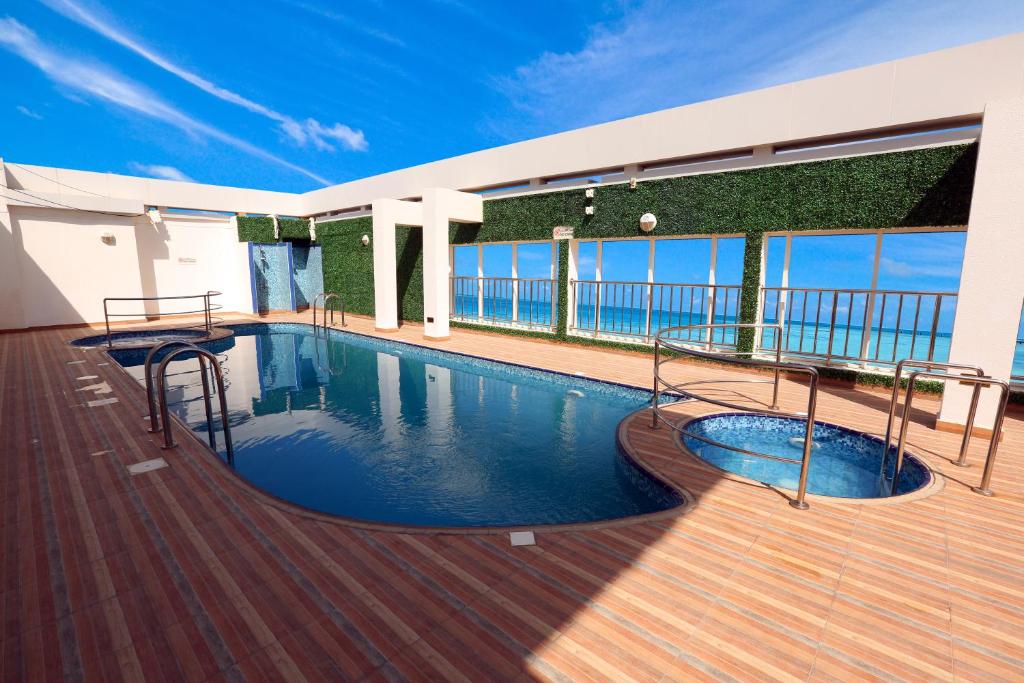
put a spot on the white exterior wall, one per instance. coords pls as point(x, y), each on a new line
point(992, 279)
point(66, 269)
point(183, 255)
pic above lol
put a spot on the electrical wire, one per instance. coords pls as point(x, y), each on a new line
point(54, 180)
point(53, 204)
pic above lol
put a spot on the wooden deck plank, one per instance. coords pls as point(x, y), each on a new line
point(185, 573)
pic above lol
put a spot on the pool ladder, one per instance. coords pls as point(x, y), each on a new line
point(207, 361)
point(326, 297)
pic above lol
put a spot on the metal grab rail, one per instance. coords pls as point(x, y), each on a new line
point(997, 426)
point(206, 310)
point(147, 369)
point(816, 317)
point(931, 365)
point(640, 309)
point(203, 356)
point(326, 297)
point(734, 356)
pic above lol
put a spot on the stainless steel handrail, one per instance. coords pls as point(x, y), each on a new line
point(997, 426)
point(921, 310)
point(147, 369)
point(204, 356)
point(521, 301)
point(326, 297)
point(931, 365)
point(644, 306)
point(206, 310)
point(735, 357)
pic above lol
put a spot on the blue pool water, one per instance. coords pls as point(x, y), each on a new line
point(390, 432)
point(844, 464)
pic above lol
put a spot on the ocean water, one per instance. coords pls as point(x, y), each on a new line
point(887, 347)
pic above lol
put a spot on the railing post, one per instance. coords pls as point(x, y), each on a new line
point(657, 389)
point(832, 327)
point(650, 303)
point(515, 282)
point(935, 327)
point(106, 320)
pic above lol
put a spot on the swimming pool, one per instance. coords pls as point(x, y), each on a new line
point(141, 337)
point(844, 463)
point(389, 432)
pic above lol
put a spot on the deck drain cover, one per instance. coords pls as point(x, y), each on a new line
point(147, 466)
point(522, 538)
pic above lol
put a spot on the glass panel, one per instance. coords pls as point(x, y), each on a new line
point(624, 306)
point(682, 260)
point(465, 261)
point(497, 260)
point(535, 260)
point(844, 261)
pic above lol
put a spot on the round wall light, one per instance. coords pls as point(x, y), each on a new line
point(648, 221)
point(365, 240)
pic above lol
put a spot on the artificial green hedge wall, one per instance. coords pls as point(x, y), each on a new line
point(925, 187)
point(348, 265)
point(256, 229)
point(919, 188)
point(293, 229)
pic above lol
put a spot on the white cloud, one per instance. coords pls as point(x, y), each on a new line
point(299, 132)
point(898, 268)
point(29, 113)
point(160, 171)
point(103, 83)
point(349, 22)
point(659, 54)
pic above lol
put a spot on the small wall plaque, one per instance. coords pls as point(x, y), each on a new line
point(562, 232)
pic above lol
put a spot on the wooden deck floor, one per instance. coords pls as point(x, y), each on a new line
point(184, 573)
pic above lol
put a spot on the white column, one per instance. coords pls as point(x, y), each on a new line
point(385, 277)
point(515, 281)
point(435, 266)
point(649, 323)
point(11, 312)
point(574, 274)
point(992, 279)
point(480, 281)
point(441, 206)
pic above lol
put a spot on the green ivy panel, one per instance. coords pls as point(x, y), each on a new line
point(256, 229)
point(293, 229)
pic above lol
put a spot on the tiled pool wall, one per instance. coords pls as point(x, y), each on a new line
point(272, 280)
point(307, 273)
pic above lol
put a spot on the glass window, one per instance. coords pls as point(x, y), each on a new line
point(832, 261)
point(624, 261)
point(729, 261)
point(928, 261)
point(465, 261)
point(686, 261)
point(534, 260)
point(775, 260)
point(497, 260)
point(586, 269)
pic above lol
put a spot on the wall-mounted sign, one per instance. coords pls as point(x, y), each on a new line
point(187, 260)
point(562, 232)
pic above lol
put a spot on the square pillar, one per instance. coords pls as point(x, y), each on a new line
point(441, 206)
point(992, 279)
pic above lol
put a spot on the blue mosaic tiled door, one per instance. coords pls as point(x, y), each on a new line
point(307, 274)
point(272, 288)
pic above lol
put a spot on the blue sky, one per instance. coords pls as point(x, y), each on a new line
point(296, 94)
